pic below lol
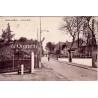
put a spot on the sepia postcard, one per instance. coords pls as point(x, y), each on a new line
point(43, 48)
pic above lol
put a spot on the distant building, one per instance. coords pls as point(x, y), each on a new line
point(60, 49)
point(82, 51)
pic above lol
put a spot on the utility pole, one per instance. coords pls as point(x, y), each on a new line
point(37, 34)
point(40, 45)
point(41, 40)
point(37, 50)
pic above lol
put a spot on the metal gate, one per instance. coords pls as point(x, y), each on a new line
point(13, 63)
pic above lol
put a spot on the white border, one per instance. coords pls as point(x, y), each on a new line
point(42, 89)
point(48, 89)
point(48, 7)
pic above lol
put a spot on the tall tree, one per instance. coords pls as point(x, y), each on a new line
point(50, 46)
point(23, 39)
point(89, 32)
point(91, 38)
point(77, 25)
point(6, 34)
point(73, 26)
point(83, 25)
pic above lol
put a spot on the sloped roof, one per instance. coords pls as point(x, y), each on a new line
point(68, 45)
point(74, 45)
point(59, 46)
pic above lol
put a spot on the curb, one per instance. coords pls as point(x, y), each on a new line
point(75, 64)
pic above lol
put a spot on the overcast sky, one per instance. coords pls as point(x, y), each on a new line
point(27, 27)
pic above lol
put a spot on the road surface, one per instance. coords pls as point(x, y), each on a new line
point(73, 73)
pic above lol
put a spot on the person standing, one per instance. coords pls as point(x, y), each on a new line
point(48, 57)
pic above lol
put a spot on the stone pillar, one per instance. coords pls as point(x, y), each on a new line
point(32, 62)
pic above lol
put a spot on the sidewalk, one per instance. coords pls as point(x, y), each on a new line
point(43, 74)
point(78, 65)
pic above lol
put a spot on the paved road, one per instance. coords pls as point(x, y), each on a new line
point(73, 73)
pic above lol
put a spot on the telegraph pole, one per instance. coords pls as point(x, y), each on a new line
point(40, 45)
point(41, 40)
point(37, 34)
point(37, 55)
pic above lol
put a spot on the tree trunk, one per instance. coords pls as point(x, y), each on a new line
point(78, 40)
point(78, 31)
point(94, 58)
point(69, 51)
point(70, 57)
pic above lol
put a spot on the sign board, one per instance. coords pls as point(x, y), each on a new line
point(20, 46)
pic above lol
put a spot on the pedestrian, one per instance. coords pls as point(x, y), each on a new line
point(48, 57)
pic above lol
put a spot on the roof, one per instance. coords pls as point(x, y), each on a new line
point(59, 46)
point(69, 45)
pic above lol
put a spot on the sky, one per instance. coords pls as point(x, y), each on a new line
point(27, 27)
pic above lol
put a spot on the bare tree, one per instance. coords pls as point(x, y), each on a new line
point(88, 30)
point(69, 26)
point(80, 25)
point(91, 39)
point(73, 26)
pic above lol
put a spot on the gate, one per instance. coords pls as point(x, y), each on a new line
point(13, 63)
point(11, 59)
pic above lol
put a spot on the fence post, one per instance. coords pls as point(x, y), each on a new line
point(22, 69)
